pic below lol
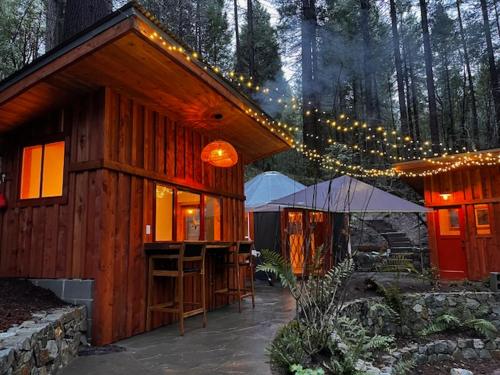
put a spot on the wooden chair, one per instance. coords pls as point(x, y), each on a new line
point(241, 262)
point(187, 261)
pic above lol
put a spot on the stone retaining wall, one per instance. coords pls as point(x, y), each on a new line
point(418, 310)
point(44, 344)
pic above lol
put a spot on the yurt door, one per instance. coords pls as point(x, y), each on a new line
point(451, 243)
point(295, 240)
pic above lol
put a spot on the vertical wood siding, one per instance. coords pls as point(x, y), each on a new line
point(469, 186)
point(119, 149)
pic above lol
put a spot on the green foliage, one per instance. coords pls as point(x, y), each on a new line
point(392, 296)
point(22, 32)
point(321, 335)
point(403, 367)
point(299, 370)
point(451, 322)
point(286, 348)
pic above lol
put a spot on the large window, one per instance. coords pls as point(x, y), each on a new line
point(179, 216)
point(212, 218)
point(482, 215)
point(164, 213)
point(42, 171)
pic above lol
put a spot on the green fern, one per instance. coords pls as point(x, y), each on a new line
point(448, 322)
point(403, 367)
point(274, 263)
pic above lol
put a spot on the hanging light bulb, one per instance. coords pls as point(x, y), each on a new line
point(219, 154)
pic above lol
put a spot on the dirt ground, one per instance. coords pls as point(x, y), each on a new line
point(360, 285)
point(20, 298)
point(477, 366)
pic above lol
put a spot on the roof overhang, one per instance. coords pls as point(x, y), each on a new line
point(433, 164)
point(130, 52)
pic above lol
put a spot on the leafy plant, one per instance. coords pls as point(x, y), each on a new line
point(403, 367)
point(450, 322)
point(299, 370)
point(320, 334)
point(286, 349)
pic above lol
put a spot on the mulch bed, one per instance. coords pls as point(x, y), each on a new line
point(477, 366)
point(20, 298)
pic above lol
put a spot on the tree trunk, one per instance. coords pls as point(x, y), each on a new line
point(80, 14)
point(54, 23)
point(237, 33)
point(431, 92)
point(198, 27)
point(367, 61)
point(399, 71)
point(251, 39)
point(496, 16)
point(495, 89)
point(451, 125)
point(475, 121)
point(309, 53)
point(414, 97)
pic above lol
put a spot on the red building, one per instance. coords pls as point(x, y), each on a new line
point(464, 226)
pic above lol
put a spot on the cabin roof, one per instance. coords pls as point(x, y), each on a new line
point(132, 52)
point(431, 164)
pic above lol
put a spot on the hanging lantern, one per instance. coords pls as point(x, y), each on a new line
point(3, 201)
point(220, 154)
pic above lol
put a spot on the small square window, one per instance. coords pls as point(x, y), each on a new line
point(42, 171)
point(482, 215)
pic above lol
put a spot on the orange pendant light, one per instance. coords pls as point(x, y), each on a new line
point(220, 154)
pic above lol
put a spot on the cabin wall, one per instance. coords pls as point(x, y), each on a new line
point(118, 149)
point(40, 240)
point(468, 186)
point(145, 147)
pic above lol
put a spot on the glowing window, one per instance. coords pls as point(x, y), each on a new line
point(188, 216)
point(164, 213)
point(482, 215)
point(449, 222)
point(42, 171)
point(212, 218)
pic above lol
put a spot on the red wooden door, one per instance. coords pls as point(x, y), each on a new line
point(451, 243)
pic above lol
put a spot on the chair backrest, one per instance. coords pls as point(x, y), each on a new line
point(193, 251)
point(244, 247)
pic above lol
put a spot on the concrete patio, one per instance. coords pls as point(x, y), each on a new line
point(232, 343)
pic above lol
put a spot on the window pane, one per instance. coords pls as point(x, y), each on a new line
point(449, 222)
point(31, 172)
point(164, 213)
point(212, 218)
point(482, 218)
point(188, 216)
point(53, 170)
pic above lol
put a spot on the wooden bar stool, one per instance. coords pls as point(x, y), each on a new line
point(187, 261)
point(242, 263)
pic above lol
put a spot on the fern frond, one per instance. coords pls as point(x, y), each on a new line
point(274, 263)
point(403, 367)
point(481, 326)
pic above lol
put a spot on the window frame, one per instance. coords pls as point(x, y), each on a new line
point(490, 225)
point(175, 190)
point(44, 201)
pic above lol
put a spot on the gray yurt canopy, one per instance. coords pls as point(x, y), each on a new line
point(265, 187)
point(346, 194)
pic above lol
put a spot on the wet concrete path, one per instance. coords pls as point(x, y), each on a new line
point(232, 343)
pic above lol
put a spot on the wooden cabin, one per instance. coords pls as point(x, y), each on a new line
point(464, 226)
point(100, 143)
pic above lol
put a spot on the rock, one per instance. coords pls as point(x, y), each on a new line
point(52, 349)
point(6, 335)
point(418, 308)
point(495, 354)
point(478, 344)
point(440, 346)
point(460, 371)
point(484, 354)
point(469, 353)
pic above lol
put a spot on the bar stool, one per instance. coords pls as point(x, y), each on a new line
point(241, 262)
point(187, 261)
